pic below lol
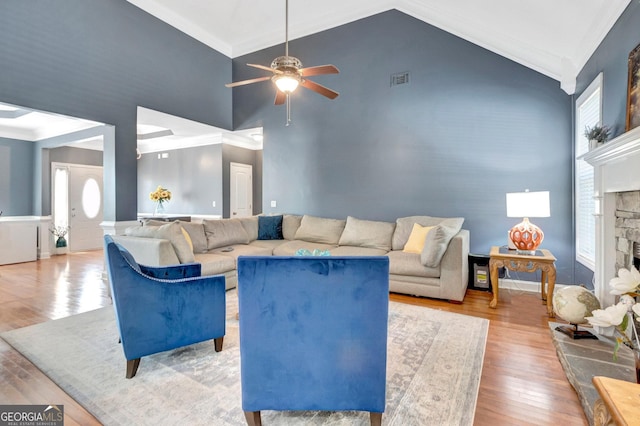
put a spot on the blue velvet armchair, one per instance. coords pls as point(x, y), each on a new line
point(313, 334)
point(162, 308)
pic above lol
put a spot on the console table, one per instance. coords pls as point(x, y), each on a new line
point(619, 402)
point(543, 260)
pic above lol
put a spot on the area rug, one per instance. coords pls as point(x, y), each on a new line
point(433, 373)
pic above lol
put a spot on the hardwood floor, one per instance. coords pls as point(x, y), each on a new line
point(522, 380)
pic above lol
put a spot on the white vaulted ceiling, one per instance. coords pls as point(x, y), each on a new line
point(553, 37)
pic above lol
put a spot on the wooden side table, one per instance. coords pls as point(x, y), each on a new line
point(510, 259)
point(619, 402)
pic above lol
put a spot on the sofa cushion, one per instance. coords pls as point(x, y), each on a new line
point(270, 227)
point(250, 224)
point(215, 263)
point(357, 251)
point(198, 237)
point(438, 239)
point(402, 263)
point(224, 232)
point(291, 247)
point(269, 244)
point(290, 225)
point(320, 230)
point(171, 231)
point(243, 250)
point(404, 226)
point(416, 240)
point(367, 233)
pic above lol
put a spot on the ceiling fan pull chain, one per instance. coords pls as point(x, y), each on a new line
point(288, 110)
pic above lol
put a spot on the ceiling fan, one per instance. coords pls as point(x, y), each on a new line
point(288, 74)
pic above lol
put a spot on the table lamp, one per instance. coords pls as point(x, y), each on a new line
point(525, 236)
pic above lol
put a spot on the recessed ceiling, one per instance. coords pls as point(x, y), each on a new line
point(555, 38)
point(157, 131)
point(30, 125)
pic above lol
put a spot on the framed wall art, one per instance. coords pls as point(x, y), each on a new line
point(633, 90)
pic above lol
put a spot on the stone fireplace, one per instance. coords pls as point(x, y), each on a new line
point(617, 194)
point(627, 229)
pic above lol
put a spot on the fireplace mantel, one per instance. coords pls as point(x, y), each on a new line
point(616, 169)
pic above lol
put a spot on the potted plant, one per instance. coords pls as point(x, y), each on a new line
point(597, 135)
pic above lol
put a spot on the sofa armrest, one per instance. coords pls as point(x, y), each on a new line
point(454, 267)
point(149, 251)
point(174, 272)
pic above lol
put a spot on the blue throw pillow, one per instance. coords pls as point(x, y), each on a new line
point(270, 227)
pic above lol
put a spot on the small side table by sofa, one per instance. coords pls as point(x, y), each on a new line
point(619, 402)
point(543, 260)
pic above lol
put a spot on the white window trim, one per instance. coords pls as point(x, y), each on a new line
point(596, 84)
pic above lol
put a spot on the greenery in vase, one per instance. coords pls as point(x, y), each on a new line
point(59, 231)
point(598, 133)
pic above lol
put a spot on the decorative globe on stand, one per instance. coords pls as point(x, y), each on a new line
point(573, 304)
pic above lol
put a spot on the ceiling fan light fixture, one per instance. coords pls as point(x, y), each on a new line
point(287, 83)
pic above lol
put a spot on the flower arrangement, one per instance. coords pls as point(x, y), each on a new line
point(59, 231)
point(624, 315)
point(598, 133)
point(160, 196)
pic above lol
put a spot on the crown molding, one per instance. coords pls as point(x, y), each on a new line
point(186, 26)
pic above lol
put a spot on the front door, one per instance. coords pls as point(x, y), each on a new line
point(85, 207)
point(241, 193)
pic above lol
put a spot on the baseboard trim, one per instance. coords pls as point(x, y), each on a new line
point(527, 286)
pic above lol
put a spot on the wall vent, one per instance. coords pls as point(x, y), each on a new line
point(399, 78)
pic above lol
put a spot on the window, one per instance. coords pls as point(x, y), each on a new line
point(588, 114)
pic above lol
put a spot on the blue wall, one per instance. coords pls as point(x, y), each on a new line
point(100, 59)
point(16, 177)
point(468, 128)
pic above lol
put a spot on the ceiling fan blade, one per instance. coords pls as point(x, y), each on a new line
point(281, 97)
point(243, 82)
point(319, 70)
point(262, 67)
point(318, 88)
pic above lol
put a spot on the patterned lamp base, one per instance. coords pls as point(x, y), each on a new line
point(526, 237)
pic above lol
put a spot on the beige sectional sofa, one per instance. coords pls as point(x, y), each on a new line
point(439, 270)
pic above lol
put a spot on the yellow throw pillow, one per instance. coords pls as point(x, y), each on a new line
point(187, 237)
point(415, 243)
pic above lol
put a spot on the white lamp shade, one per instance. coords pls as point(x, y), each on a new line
point(528, 204)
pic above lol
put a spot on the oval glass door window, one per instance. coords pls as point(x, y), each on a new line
point(91, 198)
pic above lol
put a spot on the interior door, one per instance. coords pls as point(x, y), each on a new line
point(241, 193)
point(85, 208)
